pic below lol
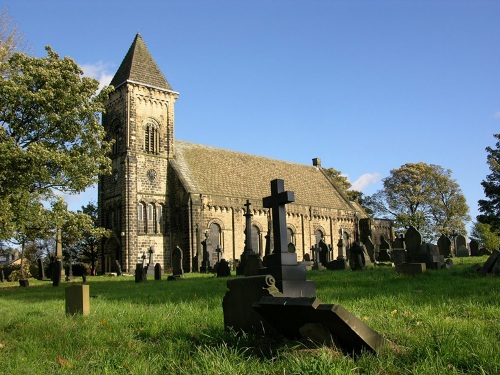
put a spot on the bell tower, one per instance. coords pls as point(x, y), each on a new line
point(133, 200)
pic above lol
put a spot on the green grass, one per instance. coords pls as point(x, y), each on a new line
point(441, 322)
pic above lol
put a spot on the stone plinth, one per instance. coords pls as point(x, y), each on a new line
point(77, 300)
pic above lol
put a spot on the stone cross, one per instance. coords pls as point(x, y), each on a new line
point(219, 252)
point(276, 202)
point(248, 228)
point(151, 252)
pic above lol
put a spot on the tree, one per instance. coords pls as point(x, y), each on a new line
point(423, 196)
point(11, 40)
point(483, 234)
point(490, 207)
point(51, 138)
point(345, 186)
point(87, 247)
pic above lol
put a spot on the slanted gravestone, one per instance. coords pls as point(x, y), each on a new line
point(309, 318)
point(77, 300)
point(474, 248)
point(444, 245)
point(289, 275)
point(177, 269)
point(462, 251)
point(492, 264)
point(41, 270)
point(157, 271)
point(384, 251)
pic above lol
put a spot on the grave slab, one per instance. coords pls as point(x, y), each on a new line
point(293, 318)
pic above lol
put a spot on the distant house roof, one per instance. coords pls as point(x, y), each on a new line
point(213, 171)
point(139, 66)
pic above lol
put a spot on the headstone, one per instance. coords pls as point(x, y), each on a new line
point(177, 256)
point(491, 263)
point(419, 252)
point(57, 272)
point(357, 256)
point(384, 251)
point(317, 265)
point(474, 248)
point(205, 263)
point(411, 269)
point(323, 252)
point(151, 267)
point(77, 300)
point(223, 269)
point(140, 273)
point(460, 241)
point(444, 245)
point(399, 243)
point(462, 251)
point(41, 270)
point(118, 268)
point(282, 265)
point(413, 240)
point(157, 271)
point(296, 318)
point(250, 262)
point(398, 256)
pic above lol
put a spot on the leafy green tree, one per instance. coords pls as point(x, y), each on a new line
point(423, 196)
point(51, 138)
point(490, 207)
point(484, 235)
point(11, 40)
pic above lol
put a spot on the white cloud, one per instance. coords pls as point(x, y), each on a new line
point(366, 180)
point(99, 71)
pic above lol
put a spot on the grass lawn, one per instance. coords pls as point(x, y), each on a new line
point(441, 322)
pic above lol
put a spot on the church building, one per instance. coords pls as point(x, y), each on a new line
point(166, 193)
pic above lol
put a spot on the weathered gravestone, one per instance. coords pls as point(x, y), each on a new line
point(41, 270)
point(460, 241)
point(340, 263)
point(57, 269)
point(474, 248)
point(223, 269)
point(177, 256)
point(420, 252)
point(357, 256)
point(140, 273)
point(158, 271)
point(324, 252)
point(370, 248)
point(77, 300)
point(462, 251)
point(150, 268)
point(384, 251)
point(317, 263)
point(444, 245)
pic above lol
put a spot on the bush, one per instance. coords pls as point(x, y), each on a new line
point(13, 272)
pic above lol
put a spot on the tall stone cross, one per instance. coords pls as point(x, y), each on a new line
point(248, 227)
point(276, 202)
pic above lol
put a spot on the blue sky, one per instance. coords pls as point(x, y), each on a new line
point(366, 86)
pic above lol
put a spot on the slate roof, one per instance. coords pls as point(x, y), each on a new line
point(139, 66)
point(213, 171)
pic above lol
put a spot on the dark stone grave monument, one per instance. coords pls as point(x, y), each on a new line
point(398, 252)
point(340, 263)
point(177, 256)
point(287, 306)
point(2, 276)
point(223, 269)
point(250, 262)
point(492, 264)
point(57, 269)
point(460, 240)
point(316, 251)
point(158, 271)
point(357, 256)
point(462, 251)
point(289, 275)
point(370, 249)
point(384, 251)
point(420, 252)
point(41, 270)
point(444, 245)
point(474, 248)
point(140, 272)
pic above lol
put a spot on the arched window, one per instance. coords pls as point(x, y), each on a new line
point(151, 138)
point(290, 237)
point(160, 221)
point(318, 236)
point(141, 218)
point(256, 240)
point(214, 242)
point(150, 218)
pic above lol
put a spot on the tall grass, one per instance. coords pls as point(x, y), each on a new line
point(441, 322)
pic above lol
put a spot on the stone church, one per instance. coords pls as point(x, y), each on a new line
point(166, 193)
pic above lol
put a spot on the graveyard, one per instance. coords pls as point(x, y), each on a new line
point(441, 321)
